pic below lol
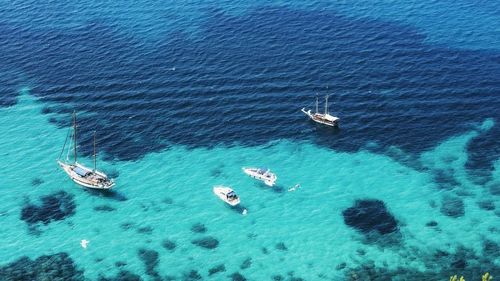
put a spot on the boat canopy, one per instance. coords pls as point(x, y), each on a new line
point(330, 118)
point(263, 170)
point(81, 172)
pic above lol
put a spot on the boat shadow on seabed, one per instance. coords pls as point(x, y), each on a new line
point(111, 194)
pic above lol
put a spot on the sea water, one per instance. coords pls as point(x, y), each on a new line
point(182, 96)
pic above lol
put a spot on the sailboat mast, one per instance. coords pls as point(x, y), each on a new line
point(95, 155)
point(326, 104)
point(317, 102)
point(74, 132)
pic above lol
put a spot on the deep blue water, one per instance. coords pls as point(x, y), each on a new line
point(246, 77)
point(242, 77)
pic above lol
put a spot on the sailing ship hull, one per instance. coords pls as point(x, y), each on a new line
point(313, 117)
point(90, 181)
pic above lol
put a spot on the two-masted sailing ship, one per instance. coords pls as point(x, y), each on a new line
point(322, 118)
point(80, 174)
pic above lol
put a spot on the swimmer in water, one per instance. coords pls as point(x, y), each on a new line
point(84, 243)
point(295, 187)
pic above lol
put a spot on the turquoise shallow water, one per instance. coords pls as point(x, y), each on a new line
point(169, 191)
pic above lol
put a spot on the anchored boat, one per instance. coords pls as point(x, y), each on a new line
point(322, 118)
point(263, 174)
point(80, 174)
point(227, 195)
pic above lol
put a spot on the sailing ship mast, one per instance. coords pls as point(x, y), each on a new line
point(326, 104)
point(74, 133)
point(317, 102)
point(95, 155)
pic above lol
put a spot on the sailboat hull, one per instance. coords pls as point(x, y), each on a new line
point(318, 118)
point(86, 177)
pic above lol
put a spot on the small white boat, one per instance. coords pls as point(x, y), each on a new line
point(87, 177)
point(262, 174)
point(227, 195)
point(322, 118)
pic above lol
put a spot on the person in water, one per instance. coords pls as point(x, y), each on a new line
point(295, 187)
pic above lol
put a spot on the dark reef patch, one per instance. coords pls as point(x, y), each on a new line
point(488, 205)
point(120, 264)
point(168, 244)
point(216, 269)
point(192, 275)
point(277, 277)
point(445, 179)
point(247, 263)
point(452, 206)
point(104, 208)
point(207, 242)
point(54, 207)
point(341, 266)
point(123, 275)
point(48, 267)
point(264, 250)
point(168, 201)
point(237, 277)
point(494, 188)
point(198, 228)
point(281, 246)
point(36, 181)
point(145, 230)
point(127, 225)
point(150, 258)
point(439, 265)
point(490, 248)
point(370, 216)
point(431, 224)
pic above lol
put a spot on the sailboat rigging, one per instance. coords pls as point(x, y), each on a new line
point(322, 118)
point(80, 174)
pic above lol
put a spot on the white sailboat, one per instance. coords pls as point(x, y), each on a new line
point(322, 118)
point(226, 194)
point(263, 174)
point(80, 174)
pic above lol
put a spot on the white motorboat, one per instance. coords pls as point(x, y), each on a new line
point(227, 195)
point(322, 118)
point(263, 174)
point(87, 177)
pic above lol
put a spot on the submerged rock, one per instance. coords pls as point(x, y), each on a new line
point(452, 206)
point(246, 263)
point(192, 275)
point(370, 216)
point(168, 244)
point(207, 242)
point(104, 208)
point(445, 179)
point(431, 224)
point(281, 246)
point(56, 206)
point(488, 205)
point(198, 228)
point(278, 278)
point(150, 258)
point(237, 277)
point(145, 230)
point(36, 181)
point(216, 269)
point(48, 267)
point(341, 266)
point(123, 275)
